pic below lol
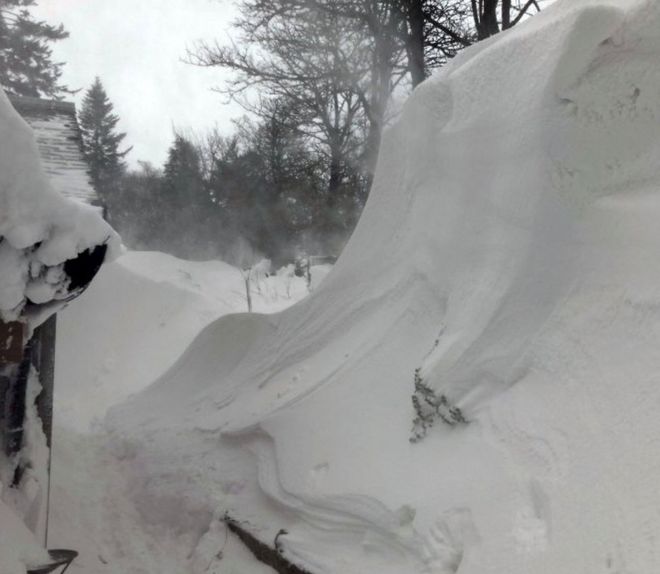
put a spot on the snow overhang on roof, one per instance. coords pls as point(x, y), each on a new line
point(58, 138)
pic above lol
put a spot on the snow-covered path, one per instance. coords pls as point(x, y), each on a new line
point(144, 310)
point(92, 510)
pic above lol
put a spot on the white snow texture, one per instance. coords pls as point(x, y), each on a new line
point(144, 309)
point(39, 229)
point(509, 249)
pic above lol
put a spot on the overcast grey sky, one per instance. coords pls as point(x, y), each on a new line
point(135, 47)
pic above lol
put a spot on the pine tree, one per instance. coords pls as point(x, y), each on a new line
point(26, 60)
point(183, 179)
point(101, 142)
point(184, 202)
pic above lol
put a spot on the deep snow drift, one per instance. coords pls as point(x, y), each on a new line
point(509, 250)
point(138, 317)
point(135, 320)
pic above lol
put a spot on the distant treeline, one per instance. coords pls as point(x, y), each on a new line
point(261, 192)
point(317, 78)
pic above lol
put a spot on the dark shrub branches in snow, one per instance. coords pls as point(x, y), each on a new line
point(429, 407)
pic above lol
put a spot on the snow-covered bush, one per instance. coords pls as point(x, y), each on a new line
point(429, 408)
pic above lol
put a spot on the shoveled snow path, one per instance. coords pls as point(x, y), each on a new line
point(92, 511)
point(143, 310)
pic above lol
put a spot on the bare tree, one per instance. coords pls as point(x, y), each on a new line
point(434, 31)
point(336, 64)
point(493, 16)
point(309, 59)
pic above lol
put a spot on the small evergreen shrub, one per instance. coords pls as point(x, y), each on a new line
point(429, 407)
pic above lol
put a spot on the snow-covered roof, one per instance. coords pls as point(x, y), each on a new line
point(41, 231)
point(58, 138)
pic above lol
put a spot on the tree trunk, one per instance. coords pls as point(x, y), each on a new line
point(334, 181)
point(506, 14)
point(415, 40)
point(488, 25)
point(332, 223)
point(380, 94)
point(248, 294)
point(371, 148)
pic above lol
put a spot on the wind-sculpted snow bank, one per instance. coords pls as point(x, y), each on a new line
point(509, 251)
point(144, 309)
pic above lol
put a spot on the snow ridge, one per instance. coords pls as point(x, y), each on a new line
point(514, 220)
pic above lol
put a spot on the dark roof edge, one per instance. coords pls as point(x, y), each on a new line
point(25, 103)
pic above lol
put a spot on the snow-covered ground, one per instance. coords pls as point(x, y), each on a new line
point(140, 314)
point(507, 263)
point(94, 511)
point(130, 326)
point(509, 252)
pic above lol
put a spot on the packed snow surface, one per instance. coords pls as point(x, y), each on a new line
point(18, 546)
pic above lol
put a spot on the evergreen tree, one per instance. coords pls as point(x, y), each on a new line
point(190, 218)
point(26, 61)
point(183, 183)
point(101, 142)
